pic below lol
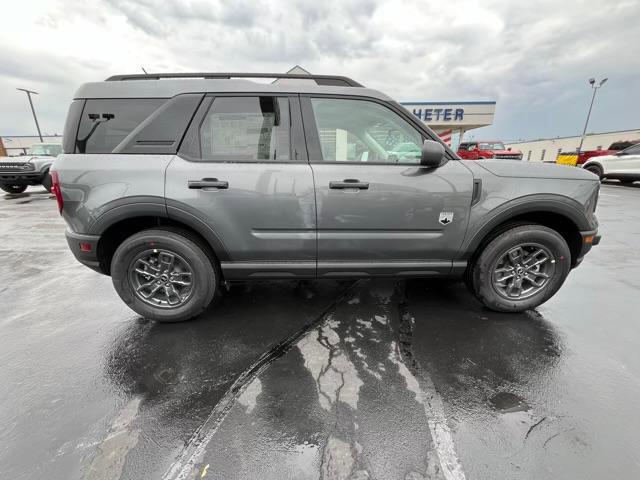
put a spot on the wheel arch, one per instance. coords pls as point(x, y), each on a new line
point(594, 164)
point(567, 220)
point(113, 233)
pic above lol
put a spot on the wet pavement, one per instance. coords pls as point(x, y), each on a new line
point(374, 379)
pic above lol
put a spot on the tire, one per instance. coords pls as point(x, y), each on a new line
point(627, 181)
point(46, 182)
point(189, 255)
point(530, 238)
point(596, 169)
point(13, 188)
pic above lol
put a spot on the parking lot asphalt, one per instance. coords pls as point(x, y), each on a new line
point(369, 379)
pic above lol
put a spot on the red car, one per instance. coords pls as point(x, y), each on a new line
point(484, 149)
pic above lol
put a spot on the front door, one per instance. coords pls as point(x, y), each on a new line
point(378, 211)
point(243, 170)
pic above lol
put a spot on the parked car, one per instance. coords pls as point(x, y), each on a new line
point(484, 149)
point(17, 173)
point(175, 186)
point(614, 148)
point(623, 144)
point(623, 165)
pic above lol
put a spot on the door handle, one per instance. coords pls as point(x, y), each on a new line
point(208, 183)
point(349, 183)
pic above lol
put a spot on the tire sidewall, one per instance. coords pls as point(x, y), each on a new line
point(46, 181)
point(483, 271)
point(596, 170)
point(204, 275)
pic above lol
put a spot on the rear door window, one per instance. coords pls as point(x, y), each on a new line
point(247, 129)
point(105, 123)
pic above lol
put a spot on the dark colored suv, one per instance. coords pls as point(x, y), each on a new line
point(174, 183)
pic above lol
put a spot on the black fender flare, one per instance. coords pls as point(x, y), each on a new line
point(537, 203)
point(137, 207)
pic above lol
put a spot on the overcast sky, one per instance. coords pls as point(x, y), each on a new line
point(533, 58)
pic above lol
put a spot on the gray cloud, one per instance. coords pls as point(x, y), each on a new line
point(532, 57)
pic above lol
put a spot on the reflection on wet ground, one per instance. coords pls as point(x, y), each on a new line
point(356, 398)
point(340, 404)
point(334, 380)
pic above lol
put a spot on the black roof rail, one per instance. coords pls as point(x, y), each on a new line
point(332, 80)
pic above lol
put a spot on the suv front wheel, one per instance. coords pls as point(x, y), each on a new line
point(13, 188)
point(521, 268)
point(164, 275)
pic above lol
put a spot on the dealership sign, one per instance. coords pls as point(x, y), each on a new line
point(453, 114)
point(436, 114)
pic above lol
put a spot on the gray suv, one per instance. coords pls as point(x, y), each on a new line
point(174, 183)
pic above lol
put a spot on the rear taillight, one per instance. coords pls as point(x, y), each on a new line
point(55, 189)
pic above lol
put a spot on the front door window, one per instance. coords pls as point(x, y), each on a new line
point(364, 131)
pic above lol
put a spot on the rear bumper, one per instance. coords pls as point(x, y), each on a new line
point(85, 249)
point(589, 240)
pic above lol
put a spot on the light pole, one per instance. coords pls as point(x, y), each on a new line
point(29, 92)
point(592, 82)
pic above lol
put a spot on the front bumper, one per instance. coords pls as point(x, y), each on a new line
point(85, 249)
point(31, 178)
point(589, 240)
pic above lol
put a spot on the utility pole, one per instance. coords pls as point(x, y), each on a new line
point(592, 82)
point(33, 110)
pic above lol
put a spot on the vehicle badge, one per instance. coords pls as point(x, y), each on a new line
point(446, 218)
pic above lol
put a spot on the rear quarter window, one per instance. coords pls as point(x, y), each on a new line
point(105, 123)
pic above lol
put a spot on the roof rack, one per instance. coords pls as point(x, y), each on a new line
point(332, 80)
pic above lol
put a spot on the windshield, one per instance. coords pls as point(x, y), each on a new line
point(46, 150)
point(492, 146)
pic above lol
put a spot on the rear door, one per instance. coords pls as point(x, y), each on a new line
point(242, 169)
point(378, 211)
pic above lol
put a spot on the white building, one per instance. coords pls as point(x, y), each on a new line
point(546, 150)
point(453, 118)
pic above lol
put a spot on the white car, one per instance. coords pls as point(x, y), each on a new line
point(623, 166)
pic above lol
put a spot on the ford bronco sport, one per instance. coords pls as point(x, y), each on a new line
point(174, 183)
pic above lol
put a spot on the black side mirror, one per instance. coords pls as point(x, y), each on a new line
point(432, 154)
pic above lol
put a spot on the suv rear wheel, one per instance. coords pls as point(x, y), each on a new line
point(15, 189)
point(521, 268)
point(164, 275)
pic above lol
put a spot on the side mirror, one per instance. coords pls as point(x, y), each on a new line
point(509, 149)
point(432, 154)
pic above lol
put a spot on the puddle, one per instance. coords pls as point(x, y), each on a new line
point(506, 402)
